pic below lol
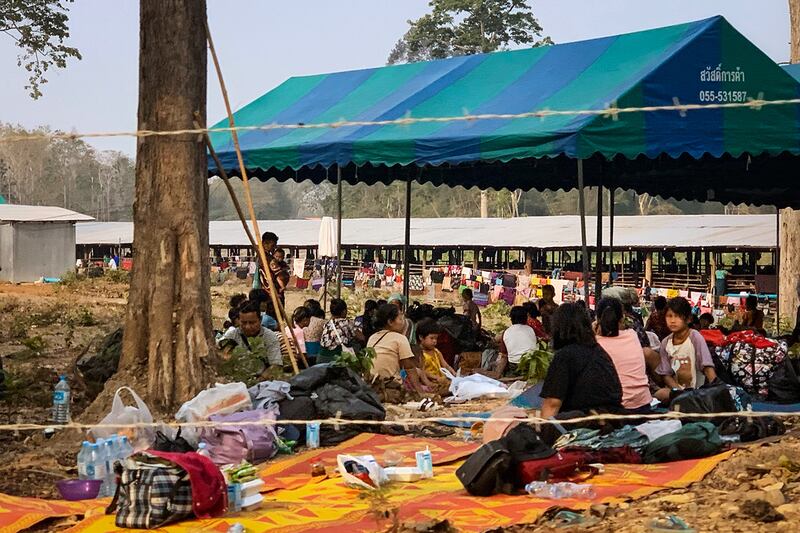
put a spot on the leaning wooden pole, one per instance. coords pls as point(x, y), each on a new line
point(224, 176)
point(249, 198)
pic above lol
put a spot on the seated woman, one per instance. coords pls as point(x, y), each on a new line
point(685, 359)
point(752, 317)
point(626, 352)
point(581, 376)
point(393, 355)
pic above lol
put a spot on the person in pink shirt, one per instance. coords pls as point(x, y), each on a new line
point(625, 350)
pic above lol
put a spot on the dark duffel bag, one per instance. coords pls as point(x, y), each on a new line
point(486, 471)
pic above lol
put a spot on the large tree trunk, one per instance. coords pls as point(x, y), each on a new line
point(168, 320)
point(790, 219)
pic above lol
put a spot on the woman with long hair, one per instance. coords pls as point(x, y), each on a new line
point(581, 376)
point(626, 352)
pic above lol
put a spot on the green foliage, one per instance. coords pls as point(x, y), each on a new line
point(117, 276)
point(464, 27)
point(35, 344)
point(245, 365)
point(495, 316)
point(82, 316)
point(39, 29)
point(70, 280)
point(361, 362)
point(533, 365)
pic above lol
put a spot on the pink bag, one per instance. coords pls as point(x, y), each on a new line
point(232, 444)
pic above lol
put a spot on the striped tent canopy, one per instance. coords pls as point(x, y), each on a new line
point(710, 154)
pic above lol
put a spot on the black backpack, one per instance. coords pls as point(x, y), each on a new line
point(485, 472)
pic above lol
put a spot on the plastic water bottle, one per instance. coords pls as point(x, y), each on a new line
point(560, 491)
point(125, 448)
point(110, 453)
point(312, 435)
point(61, 397)
point(84, 456)
point(96, 467)
point(202, 449)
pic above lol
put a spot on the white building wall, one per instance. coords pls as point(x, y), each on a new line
point(6, 251)
point(39, 249)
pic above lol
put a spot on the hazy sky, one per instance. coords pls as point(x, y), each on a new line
point(263, 42)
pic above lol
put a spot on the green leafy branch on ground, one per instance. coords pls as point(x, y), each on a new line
point(533, 365)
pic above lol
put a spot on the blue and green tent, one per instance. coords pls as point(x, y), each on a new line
point(741, 154)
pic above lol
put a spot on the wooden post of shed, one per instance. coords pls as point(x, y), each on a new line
point(648, 267)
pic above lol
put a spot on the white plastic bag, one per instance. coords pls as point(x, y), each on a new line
point(222, 399)
point(364, 463)
point(140, 438)
point(475, 386)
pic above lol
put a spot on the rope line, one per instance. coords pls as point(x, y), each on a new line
point(611, 112)
point(672, 415)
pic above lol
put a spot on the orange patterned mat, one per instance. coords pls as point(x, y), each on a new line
point(294, 502)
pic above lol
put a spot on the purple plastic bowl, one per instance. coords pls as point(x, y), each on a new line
point(79, 489)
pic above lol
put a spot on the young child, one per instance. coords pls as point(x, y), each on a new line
point(432, 359)
point(471, 309)
point(547, 305)
point(685, 359)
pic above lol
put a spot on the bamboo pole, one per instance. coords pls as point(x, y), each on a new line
point(248, 197)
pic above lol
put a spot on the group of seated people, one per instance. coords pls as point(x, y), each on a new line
point(402, 348)
point(605, 366)
point(605, 360)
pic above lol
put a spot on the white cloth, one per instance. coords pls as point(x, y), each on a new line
point(112, 264)
point(251, 268)
point(658, 428)
point(519, 339)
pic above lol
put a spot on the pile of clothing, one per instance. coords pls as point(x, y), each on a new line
point(747, 359)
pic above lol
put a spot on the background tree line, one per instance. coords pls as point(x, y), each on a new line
point(67, 173)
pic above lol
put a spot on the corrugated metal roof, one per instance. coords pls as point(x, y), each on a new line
point(663, 231)
point(39, 213)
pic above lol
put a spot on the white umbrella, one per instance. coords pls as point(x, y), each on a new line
point(327, 247)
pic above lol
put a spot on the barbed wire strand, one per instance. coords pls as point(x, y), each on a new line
point(672, 415)
point(611, 112)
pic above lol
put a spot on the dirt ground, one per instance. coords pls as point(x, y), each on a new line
point(45, 328)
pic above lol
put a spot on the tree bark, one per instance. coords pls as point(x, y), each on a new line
point(168, 319)
point(790, 218)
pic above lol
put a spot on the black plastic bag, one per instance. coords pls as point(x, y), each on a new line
point(784, 385)
point(176, 445)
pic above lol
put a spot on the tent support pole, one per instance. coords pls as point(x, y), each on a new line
point(407, 244)
point(584, 248)
point(611, 204)
point(338, 231)
point(778, 270)
point(598, 281)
